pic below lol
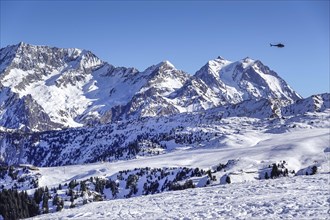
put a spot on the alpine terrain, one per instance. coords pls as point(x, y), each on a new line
point(75, 130)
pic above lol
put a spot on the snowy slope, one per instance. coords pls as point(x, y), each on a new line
point(304, 197)
point(155, 135)
point(244, 156)
point(253, 151)
point(247, 155)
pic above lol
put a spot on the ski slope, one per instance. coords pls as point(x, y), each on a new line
point(247, 197)
point(254, 150)
point(301, 197)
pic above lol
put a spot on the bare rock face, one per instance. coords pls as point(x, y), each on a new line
point(25, 113)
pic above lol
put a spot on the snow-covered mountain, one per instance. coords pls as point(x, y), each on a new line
point(246, 79)
point(73, 87)
point(315, 103)
point(155, 135)
point(61, 81)
point(124, 113)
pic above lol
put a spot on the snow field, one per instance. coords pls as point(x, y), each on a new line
point(301, 197)
point(300, 149)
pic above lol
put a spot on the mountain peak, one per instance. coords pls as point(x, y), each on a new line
point(217, 63)
point(247, 61)
point(220, 58)
point(26, 45)
point(22, 44)
point(166, 63)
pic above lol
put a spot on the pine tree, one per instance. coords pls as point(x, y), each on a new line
point(38, 195)
point(72, 200)
point(55, 200)
point(83, 186)
point(72, 184)
point(70, 193)
point(314, 170)
point(60, 205)
point(45, 207)
point(286, 172)
point(228, 180)
point(266, 176)
point(275, 172)
point(209, 174)
point(33, 208)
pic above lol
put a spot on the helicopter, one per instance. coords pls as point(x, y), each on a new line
point(280, 45)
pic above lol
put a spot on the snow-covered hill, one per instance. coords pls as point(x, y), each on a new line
point(73, 88)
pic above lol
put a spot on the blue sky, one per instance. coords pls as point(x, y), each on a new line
point(187, 33)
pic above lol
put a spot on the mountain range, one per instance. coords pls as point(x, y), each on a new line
point(66, 106)
point(46, 88)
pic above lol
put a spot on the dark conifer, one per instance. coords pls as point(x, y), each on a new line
point(45, 203)
point(275, 172)
point(314, 170)
point(228, 179)
point(266, 176)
